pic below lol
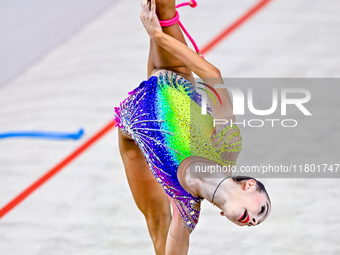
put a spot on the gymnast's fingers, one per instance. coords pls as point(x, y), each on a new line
point(153, 7)
point(144, 5)
point(144, 9)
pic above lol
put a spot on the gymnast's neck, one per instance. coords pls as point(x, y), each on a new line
point(202, 185)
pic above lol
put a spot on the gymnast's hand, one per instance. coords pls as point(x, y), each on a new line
point(149, 18)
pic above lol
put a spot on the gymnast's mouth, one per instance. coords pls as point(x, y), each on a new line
point(244, 218)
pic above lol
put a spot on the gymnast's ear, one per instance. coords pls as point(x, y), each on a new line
point(251, 183)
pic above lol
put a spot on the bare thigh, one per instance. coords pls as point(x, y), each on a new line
point(146, 191)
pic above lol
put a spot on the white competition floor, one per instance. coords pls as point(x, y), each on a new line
point(87, 207)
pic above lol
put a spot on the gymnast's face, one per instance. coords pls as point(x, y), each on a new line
point(246, 206)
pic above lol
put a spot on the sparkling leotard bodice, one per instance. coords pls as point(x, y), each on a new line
point(163, 116)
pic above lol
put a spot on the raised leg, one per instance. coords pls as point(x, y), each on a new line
point(149, 196)
point(160, 58)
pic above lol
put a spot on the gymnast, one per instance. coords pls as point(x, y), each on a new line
point(163, 136)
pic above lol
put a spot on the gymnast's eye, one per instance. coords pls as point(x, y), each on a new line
point(262, 209)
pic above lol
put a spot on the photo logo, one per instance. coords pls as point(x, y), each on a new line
point(242, 100)
point(204, 98)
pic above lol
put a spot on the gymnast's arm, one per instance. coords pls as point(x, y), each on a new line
point(205, 70)
point(177, 241)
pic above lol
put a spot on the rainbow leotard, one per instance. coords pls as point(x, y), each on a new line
point(163, 116)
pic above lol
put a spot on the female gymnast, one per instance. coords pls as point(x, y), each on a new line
point(162, 135)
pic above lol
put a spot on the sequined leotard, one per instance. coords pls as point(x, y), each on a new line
point(163, 116)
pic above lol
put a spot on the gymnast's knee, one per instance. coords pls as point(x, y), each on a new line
point(157, 213)
point(157, 217)
point(158, 224)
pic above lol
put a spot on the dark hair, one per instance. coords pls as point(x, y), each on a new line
point(259, 185)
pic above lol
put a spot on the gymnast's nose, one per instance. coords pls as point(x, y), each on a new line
point(254, 221)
